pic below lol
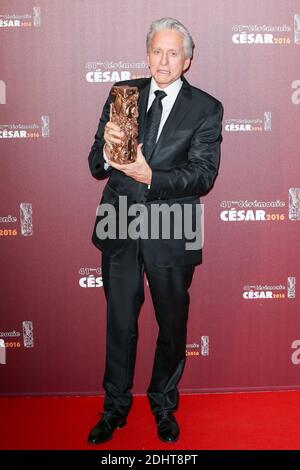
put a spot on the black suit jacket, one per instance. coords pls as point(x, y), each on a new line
point(184, 166)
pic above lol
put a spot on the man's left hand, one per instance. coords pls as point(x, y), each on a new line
point(138, 170)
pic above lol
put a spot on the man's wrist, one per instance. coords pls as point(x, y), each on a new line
point(150, 179)
point(106, 159)
point(106, 152)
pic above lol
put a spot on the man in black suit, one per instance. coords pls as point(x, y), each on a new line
point(178, 159)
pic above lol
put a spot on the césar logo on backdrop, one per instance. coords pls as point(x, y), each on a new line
point(114, 71)
point(250, 125)
point(9, 226)
point(258, 34)
point(245, 210)
point(90, 277)
point(269, 291)
point(26, 131)
point(27, 20)
point(12, 339)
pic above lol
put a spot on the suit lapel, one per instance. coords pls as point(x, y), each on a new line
point(179, 111)
point(142, 105)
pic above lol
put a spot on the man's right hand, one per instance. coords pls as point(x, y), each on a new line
point(112, 135)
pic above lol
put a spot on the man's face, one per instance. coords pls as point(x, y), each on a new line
point(166, 57)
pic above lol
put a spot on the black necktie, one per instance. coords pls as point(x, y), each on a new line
point(152, 123)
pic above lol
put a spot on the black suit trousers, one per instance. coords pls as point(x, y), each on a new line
point(123, 280)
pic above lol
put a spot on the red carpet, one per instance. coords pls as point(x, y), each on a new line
point(268, 420)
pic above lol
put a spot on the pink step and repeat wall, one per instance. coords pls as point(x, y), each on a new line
point(59, 59)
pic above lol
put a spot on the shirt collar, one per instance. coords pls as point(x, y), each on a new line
point(171, 90)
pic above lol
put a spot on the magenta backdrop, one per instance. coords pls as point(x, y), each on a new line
point(59, 60)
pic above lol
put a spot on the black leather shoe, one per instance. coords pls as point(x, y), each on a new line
point(104, 429)
point(167, 426)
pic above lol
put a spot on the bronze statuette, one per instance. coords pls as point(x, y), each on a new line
point(124, 113)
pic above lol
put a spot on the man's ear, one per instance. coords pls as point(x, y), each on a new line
point(186, 65)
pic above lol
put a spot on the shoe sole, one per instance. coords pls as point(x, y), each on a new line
point(167, 442)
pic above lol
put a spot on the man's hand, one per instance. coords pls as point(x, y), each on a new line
point(139, 170)
point(112, 135)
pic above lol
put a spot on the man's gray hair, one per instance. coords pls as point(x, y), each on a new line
point(171, 23)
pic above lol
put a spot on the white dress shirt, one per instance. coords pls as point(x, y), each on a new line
point(167, 104)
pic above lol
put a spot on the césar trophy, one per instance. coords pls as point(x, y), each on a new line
point(124, 113)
